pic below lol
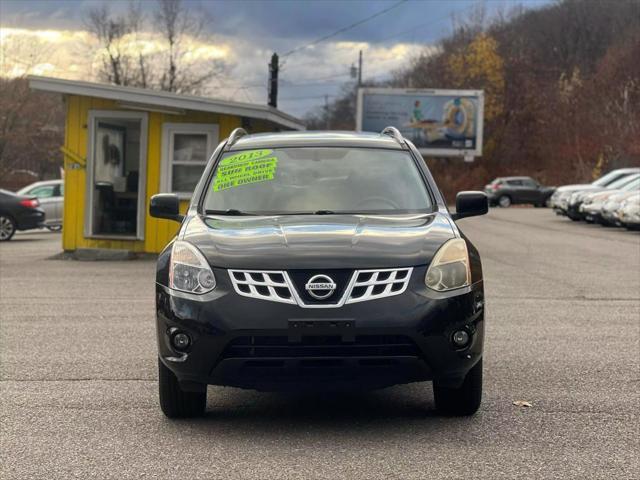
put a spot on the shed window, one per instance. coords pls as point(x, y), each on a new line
point(187, 148)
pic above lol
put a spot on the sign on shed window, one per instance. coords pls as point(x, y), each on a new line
point(187, 148)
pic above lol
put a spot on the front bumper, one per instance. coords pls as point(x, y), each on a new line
point(252, 343)
point(591, 212)
point(573, 211)
point(629, 217)
point(491, 197)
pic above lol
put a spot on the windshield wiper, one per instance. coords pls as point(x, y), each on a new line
point(228, 211)
point(237, 213)
point(331, 212)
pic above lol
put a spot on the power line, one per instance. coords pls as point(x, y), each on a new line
point(311, 84)
point(344, 29)
point(308, 97)
point(302, 81)
point(397, 34)
point(425, 24)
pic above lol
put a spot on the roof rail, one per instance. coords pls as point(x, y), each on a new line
point(236, 135)
point(394, 133)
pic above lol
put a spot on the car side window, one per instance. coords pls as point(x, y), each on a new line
point(515, 183)
point(530, 183)
point(44, 191)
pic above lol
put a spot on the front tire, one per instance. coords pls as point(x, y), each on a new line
point(504, 201)
point(7, 227)
point(173, 401)
point(464, 400)
point(54, 228)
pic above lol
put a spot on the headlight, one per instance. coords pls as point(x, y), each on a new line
point(189, 270)
point(450, 267)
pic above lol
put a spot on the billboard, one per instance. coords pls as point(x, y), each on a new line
point(438, 122)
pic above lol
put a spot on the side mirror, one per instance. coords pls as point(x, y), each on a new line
point(470, 204)
point(165, 205)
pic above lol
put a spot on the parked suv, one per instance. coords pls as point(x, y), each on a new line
point(318, 260)
point(506, 191)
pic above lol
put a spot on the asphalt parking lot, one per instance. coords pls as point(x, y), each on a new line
point(78, 376)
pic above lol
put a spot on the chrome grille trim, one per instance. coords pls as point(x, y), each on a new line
point(397, 277)
point(368, 279)
point(259, 278)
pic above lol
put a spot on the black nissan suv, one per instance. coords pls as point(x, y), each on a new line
point(318, 260)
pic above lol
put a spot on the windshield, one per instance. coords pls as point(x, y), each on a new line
point(632, 185)
point(621, 182)
point(317, 180)
point(609, 178)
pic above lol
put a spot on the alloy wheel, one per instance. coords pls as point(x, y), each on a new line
point(504, 201)
point(7, 228)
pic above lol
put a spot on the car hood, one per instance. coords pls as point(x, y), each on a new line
point(318, 241)
point(574, 187)
point(598, 194)
point(621, 195)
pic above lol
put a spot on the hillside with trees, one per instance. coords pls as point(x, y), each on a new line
point(562, 91)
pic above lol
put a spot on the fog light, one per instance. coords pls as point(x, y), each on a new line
point(181, 341)
point(460, 338)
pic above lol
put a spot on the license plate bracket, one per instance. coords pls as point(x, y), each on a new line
point(343, 327)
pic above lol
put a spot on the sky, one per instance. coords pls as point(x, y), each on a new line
point(242, 35)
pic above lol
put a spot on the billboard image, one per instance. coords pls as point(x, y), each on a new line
point(438, 122)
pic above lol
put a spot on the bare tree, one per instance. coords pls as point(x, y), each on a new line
point(121, 64)
point(30, 122)
point(178, 25)
point(174, 26)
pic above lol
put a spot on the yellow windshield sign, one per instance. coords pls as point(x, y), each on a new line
point(244, 168)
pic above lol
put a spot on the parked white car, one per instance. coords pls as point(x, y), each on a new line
point(50, 194)
point(592, 208)
point(629, 212)
point(559, 201)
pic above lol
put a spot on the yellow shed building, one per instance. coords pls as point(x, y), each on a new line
point(122, 145)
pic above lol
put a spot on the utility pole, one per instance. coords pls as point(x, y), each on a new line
point(326, 111)
point(273, 81)
point(360, 70)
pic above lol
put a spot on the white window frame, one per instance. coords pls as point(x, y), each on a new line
point(211, 130)
point(94, 117)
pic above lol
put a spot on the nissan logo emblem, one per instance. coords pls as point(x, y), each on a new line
point(320, 287)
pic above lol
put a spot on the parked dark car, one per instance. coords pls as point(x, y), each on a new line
point(507, 191)
point(318, 260)
point(50, 193)
point(18, 212)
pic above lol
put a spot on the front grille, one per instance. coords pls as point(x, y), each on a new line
point(288, 287)
point(373, 284)
point(321, 346)
point(263, 285)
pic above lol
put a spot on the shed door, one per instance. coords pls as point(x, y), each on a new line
point(117, 175)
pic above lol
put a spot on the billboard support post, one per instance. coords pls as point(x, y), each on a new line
point(441, 123)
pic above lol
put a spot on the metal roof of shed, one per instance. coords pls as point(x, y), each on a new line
point(141, 98)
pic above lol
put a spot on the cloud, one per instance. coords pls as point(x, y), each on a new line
point(305, 76)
